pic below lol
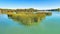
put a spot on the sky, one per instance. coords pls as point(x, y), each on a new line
point(37, 4)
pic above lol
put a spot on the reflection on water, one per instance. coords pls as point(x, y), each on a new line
point(47, 25)
point(29, 18)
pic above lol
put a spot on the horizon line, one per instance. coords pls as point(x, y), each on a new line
point(28, 8)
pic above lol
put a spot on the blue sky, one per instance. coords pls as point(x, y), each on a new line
point(38, 4)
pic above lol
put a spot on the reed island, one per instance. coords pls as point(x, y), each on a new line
point(26, 16)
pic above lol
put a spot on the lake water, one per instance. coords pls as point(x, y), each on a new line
point(49, 25)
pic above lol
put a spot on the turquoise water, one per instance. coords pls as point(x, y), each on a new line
point(49, 25)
